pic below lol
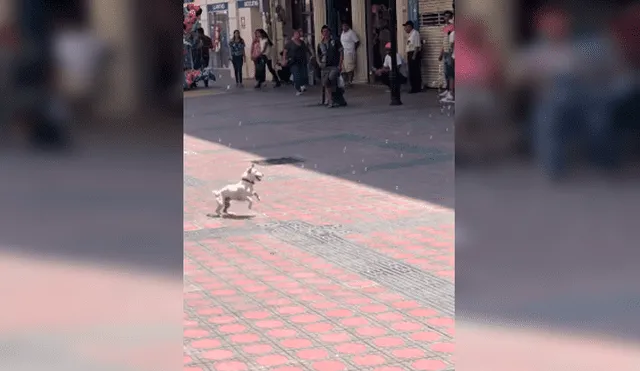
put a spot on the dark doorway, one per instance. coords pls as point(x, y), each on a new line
point(338, 12)
point(378, 32)
point(301, 16)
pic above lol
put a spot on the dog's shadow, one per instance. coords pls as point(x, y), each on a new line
point(231, 216)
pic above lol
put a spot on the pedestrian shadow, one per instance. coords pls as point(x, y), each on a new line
point(231, 216)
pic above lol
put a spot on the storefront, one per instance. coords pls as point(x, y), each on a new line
point(370, 19)
point(218, 29)
point(249, 19)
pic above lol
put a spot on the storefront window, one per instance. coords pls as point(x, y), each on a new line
point(218, 19)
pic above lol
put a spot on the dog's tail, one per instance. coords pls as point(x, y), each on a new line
point(216, 193)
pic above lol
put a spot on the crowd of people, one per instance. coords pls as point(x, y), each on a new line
point(333, 63)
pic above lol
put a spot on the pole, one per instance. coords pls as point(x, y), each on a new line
point(393, 76)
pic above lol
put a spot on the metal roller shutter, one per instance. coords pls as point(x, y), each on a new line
point(431, 23)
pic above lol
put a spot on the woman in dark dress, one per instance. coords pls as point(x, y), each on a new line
point(296, 57)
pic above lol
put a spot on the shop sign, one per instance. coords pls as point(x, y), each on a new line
point(218, 7)
point(248, 3)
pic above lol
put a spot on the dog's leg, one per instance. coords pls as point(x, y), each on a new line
point(219, 201)
point(250, 201)
point(227, 204)
point(256, 195)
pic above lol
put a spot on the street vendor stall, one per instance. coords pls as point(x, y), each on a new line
point(194, 70)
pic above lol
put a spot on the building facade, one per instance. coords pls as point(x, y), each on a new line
point(221, 18)
point(370, 19)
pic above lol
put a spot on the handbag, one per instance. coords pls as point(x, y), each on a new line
point(255, 51)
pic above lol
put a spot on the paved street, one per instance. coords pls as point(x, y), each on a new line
point(347, 263)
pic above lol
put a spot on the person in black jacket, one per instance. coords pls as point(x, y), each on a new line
point(330, 59)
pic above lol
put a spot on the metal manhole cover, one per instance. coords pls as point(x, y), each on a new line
point(278, 161)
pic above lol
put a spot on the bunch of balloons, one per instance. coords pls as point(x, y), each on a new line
point(192, 76)
point(192, 14)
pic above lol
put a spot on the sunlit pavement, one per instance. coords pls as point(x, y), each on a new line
point(77, 290)
point(347, 262)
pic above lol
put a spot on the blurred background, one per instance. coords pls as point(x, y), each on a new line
point(556, 80)
point(547, 145)
point(91, 162)
point(72, 61)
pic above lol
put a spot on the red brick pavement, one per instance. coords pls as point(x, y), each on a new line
point(254, 302)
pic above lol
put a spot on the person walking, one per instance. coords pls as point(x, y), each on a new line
point(238, 57)
point(266, 46)
point(258, 60)
point(296, 57)
point(414, 48)
point(350, 43)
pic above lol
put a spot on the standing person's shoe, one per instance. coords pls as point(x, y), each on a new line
point(277, 85)
point(303, 88)
point(258, 86)
point(298, 93)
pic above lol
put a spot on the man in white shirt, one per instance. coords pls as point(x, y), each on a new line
point(384, 74)
point(350, 43)
point(414, 48)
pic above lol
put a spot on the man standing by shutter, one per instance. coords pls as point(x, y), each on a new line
point(446, 56)
point(413, 57)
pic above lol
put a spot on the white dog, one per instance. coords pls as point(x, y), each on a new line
point(241, 191)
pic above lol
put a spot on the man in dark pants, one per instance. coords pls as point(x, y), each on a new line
point(414, 48)
point(207, 45)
